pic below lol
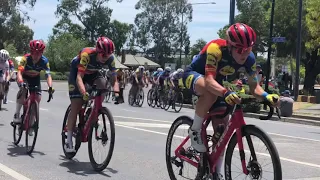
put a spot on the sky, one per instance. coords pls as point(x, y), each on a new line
point(207, 19)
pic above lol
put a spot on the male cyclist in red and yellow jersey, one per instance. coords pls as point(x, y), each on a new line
point(205, 74)
point(85, 68)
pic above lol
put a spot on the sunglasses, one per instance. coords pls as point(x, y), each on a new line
point(105, 55)
point(36, 52)
point(240, 50)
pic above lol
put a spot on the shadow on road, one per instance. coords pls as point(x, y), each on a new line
point(1, 124)
point(15, 151)
point(83, 168)
point(3, 109)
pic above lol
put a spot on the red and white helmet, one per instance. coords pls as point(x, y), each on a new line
point(241, 35)
point(37, 45)
point(104, 45)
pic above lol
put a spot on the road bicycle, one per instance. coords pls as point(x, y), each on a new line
point(175, 100)
point(205, 163)
point(88, 126)
point(30, 118)
point(138, 99)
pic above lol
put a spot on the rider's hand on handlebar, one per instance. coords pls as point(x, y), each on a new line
point(50, 90)
point(232, 98)
point(85, 96)
point(273, 99)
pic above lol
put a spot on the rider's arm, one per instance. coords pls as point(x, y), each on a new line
point(11, 69)
point(21, 66)
point(47, 72)
point(214, 55)
point(84, 61)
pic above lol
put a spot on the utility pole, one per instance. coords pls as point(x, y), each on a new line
point(232, 11)
point(298, 53)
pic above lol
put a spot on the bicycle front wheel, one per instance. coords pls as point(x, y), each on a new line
point(254, 165)
point(103, 137)
point(33, 127)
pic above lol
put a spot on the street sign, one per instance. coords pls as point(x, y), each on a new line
point(278, 39)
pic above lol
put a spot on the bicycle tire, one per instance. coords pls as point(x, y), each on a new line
point(64, 136)
point(100, 167)
point(141, 99)
point(253, 130)
point(149, 101)
point(179, 121)
point(153, 97)
point(33, 109)
point(175, 102)
point(18, 127)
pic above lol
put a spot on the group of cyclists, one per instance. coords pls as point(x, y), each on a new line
point(203, 77)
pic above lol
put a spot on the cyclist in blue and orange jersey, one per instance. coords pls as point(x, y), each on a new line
point(9, 75)
point(29, 70)
point(85, 68)
point(216, 60)
point(163, 76)
point(155, 76)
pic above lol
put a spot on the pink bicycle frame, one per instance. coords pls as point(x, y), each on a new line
point(93, 117)
point(26, 104)
point(234, 124)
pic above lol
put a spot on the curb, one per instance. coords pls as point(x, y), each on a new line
point(297, 119)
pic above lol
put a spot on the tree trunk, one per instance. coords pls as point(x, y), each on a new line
point(312, 65)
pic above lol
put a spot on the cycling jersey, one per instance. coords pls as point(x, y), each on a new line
point(4, 68)
point(86, 62)
point(216, 60)
point(28, 68)
point(139, 74)
point(163, 76)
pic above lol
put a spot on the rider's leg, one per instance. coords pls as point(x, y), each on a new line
point(76, 104)
point(196, 82)
point(21, 96)
point(6, 90)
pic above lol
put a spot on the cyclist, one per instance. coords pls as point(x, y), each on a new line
point(85, 68)
point(155, 76)
point(163, 76)
point(174, 80)
point(4, 72)
point(29, 69)
point(138, 77)
point(10, 74)
point(216, 60)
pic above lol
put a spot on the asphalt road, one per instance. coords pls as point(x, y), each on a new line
point(140, 144)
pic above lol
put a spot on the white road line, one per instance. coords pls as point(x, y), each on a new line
point(128, 110)
point(12, 173)
point(165, 134)
point(210, 128)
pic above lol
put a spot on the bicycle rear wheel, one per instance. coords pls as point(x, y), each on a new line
point(149, 97)
point(33, 127)
point(105, 139)
point(178, 101)
point(141, 97)
point(17, 131)
point(253, 166)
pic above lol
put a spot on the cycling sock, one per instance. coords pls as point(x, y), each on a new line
point(18, 108)
point(197, 123)
point(69, 138)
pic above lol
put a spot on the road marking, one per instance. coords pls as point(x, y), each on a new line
point(12, 173)
point(128, 110)
point(210, 128)
point(181, 137)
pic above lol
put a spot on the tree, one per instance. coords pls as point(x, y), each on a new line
point(94, 17)
point(196, 48)
point(12, 30)
point(312, 60)
point(62, 49)
point(159, 23)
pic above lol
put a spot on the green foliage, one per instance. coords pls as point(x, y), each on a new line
point(313, 24)
point(12, 29)
point(62, 49)
point(196, 48)
point(94, 17)
point(163, 23)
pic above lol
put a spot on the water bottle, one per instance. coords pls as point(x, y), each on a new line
point(217, 134)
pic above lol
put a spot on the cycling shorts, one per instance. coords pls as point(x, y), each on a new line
point(189, 81)
point(32, 81)
point(87, 79)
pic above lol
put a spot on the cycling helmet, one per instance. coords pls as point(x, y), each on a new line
point(141, 67)
point(4, 55)
point(37, 45)
point(159, 69)
point(168, 69)
point(241, 36)
point(180, 70)
point(105, 45)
